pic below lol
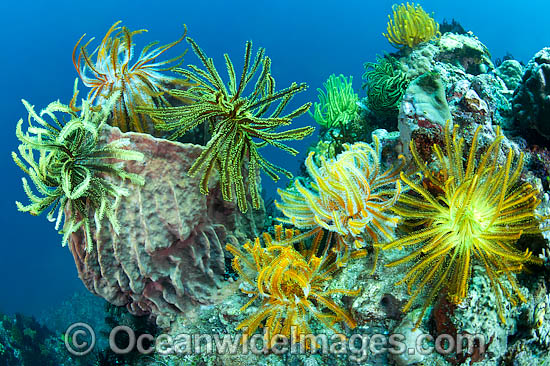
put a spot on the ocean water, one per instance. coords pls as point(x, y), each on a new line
point(306, 40)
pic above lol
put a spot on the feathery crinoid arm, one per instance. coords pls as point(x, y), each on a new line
point(67, 165)
point(240, 124)
point(142, 82)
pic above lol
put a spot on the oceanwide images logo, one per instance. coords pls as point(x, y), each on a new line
point(80, 340)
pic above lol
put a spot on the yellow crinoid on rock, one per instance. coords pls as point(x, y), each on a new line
point(474, 211)
point(349, 195)
point(410, 26)
point(291, 282)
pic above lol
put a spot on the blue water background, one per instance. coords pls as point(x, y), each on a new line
point(306, 40)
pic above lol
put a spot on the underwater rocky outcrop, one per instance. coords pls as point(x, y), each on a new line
point(531, 102)
point(168, 255)
point(511, 72)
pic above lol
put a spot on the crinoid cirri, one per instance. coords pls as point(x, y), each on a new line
point(141, 83)
point(474, 211)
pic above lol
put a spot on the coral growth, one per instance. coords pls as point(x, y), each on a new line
point(70, 164)
point(385, 84)
point(410, 26)
point(466, 213)
point(338, 105)
point(24, 341)
point(141, 83)
point(235, 121)
point(531, 101)
point(291, 282)
point(349, 195)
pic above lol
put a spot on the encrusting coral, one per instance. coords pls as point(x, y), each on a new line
point(410, 26)
point(350, 195)
point(466, 213)
point(338, 105)
point(385, 84)
point(291, 281)
point(70, 163)
point(235, 122)
point(141, 83)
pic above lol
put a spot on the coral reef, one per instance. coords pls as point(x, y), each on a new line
point(338, 105)
point(493, 92)
point(465, 51)
point(479, 314)
point(156, 227)
point(235, 121)
point(141, 83)
point(541, 321)
point(67, 174)
point(169, 255)
point(410, 26)
point(23, 341)
point(530, 103)
point(453, 56)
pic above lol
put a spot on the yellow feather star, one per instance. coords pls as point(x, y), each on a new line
point(349, 195)
point(141, 83)
point(410, 26)
point(291, 282)
point(480, 210)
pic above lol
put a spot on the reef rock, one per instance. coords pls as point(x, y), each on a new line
point(531, 101)
point(465, 50)
point(493, 91)
point(511, 72)
point(169, 253)
point(453, 56)
point(478, 315)
point(411, 336)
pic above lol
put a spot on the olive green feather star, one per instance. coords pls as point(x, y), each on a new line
point(239, 124)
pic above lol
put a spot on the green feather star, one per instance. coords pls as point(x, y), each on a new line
point(72, 168)
point(239, 124)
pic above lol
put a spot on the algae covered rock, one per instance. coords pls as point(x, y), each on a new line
point(478, 315)
point(493, 91)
